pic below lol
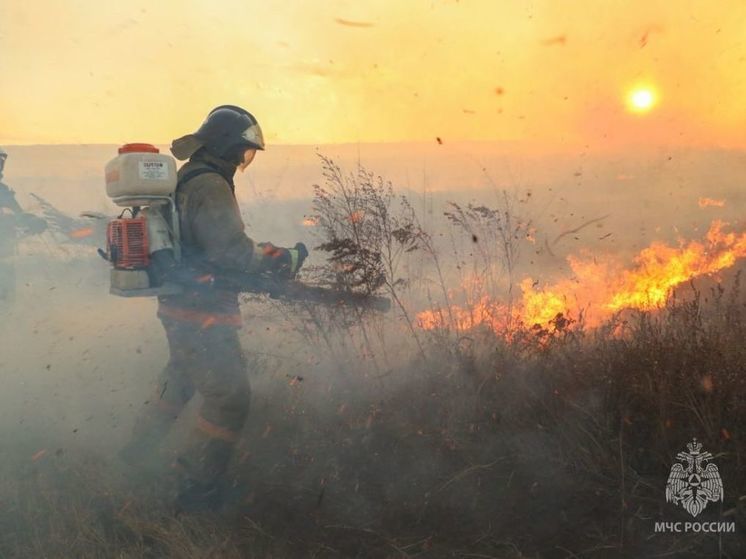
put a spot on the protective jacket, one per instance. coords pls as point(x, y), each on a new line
point(213, 242)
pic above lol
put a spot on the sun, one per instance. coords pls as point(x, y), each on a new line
point(641, 99)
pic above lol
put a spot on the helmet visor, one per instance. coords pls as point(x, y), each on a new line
point(253, 135)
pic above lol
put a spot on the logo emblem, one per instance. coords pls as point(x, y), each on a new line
point(692, 482)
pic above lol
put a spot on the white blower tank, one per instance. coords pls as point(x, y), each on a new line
point(140, 170)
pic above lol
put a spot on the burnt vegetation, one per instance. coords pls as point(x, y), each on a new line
point(376, 437)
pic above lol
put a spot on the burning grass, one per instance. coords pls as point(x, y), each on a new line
point(601, 286)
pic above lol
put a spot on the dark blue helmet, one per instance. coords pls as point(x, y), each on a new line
point(226, 129)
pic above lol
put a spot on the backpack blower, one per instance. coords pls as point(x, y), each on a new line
point(142, 247)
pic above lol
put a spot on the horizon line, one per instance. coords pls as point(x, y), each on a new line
point(541, 150)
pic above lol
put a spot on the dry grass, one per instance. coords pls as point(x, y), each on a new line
point(555, 447)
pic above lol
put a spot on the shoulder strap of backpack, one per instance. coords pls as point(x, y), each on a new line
point(194, 174)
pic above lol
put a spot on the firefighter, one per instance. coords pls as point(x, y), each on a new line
point(201, 325)
point(13, 221)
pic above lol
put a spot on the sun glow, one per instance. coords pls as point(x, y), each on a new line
point(641, 99)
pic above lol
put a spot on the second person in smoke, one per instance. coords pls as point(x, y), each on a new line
point(13, 220)
point(201, 325)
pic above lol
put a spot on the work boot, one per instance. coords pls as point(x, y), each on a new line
point(202, 467)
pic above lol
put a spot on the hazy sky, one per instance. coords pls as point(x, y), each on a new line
point(551, 73)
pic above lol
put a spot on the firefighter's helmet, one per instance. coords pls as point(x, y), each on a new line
point(225, 129)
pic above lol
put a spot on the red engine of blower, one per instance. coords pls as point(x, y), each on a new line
point(127, 243)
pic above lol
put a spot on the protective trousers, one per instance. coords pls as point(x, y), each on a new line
point(207, 359)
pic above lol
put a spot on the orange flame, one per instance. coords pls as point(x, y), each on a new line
point(38, 455)
point(704, 202)
point(356, 217)
point(81, 233)
point(660, 268)
point(486, 311)
point(600, 287)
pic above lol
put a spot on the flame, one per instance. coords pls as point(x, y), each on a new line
point(81, 233)
point(486, 311)
point(308, 222)
point(356, 217)
point(540, 307)
point(39, 455)
point(660, 268)
point(704, 202)
point(599, 286)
